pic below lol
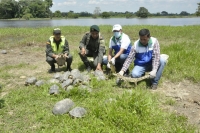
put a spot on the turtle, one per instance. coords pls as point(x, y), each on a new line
point(57, 76)
point(70, 87)
point(54, 89)
point(65, 76)
point(62, 106)
point(77, 112)
point(39, 83)
point(77, 82)
point(75, 74)
point(66, 83)
point(31, 81)
point(99, 75)
point(61, 60)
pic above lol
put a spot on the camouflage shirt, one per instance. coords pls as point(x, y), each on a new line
point(93, 45)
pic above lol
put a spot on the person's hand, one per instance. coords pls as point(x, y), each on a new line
point(66, 55)
point(83, 51)
point(56, 57)
point(121, 73)
point(108, 65)
point(99, 67)
point(152, 74)
point(113, 61)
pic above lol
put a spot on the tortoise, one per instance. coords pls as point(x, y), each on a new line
point(31, 81)
point(54, 89)
point(77, 112)
point(63, 106)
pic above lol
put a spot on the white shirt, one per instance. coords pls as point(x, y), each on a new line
point(124, 41)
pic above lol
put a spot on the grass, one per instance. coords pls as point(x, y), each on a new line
point(28, 109)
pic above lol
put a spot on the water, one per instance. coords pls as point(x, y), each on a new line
point(110, 21)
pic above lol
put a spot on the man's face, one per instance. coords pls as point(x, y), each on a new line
point(144, 40)
point(57, 37)
point(94, 34)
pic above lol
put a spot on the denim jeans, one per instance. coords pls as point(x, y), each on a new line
point(118, 61)
point(138, 71)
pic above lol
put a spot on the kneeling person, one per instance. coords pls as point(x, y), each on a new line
point(146, 52)
point(56, 45)
point(92, 45)
point(121, 44)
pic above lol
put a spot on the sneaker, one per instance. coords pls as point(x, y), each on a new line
point(154, 86)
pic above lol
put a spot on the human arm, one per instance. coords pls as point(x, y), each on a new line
point(66, 48)
point(49, 50)
point(82, 45)
point(156, 56)
point(129, 59)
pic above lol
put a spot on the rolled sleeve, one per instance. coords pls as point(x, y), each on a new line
point(101, 50)
point(129, 59)
point(156, 56)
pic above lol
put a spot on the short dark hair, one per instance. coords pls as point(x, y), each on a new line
point(144, 32)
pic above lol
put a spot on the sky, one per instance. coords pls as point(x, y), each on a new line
point(153, 6)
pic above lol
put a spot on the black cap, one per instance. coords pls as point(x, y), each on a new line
point(56, 31)
point(94, 28)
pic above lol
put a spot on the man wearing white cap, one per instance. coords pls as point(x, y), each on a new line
point(121, 44)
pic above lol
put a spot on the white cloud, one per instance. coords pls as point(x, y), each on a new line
point(68, 2)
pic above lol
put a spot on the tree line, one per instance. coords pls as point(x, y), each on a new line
point(41, 9)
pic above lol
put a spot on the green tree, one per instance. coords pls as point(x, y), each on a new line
point(72, 15)
point(105, 15)
point(142, 13)
point(198, 10)
point(57, 14)
point(8, 9)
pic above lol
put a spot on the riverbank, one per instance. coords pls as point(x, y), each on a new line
point(134, 109)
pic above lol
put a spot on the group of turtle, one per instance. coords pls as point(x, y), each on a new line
point(67, 81)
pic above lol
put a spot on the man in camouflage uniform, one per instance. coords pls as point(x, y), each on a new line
point(56, 45)
point(92, 45)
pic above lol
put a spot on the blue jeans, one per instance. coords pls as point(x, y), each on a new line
point(138, 71)
point(118, 61)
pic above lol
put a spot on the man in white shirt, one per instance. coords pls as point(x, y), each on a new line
point(121, 44)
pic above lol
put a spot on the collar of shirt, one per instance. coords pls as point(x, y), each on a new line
point(149, 43)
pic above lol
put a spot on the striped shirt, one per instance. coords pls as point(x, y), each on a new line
point(144, 55)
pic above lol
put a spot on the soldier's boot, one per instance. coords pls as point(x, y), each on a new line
point(69, 67)
point(53, 69)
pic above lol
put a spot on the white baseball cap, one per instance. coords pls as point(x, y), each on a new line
point(117, 27)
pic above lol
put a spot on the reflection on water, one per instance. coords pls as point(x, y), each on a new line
point(90, 21)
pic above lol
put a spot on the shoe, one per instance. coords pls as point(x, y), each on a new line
point(69, 69)
point(89, 68)
point(53, 69)
point(154, 86)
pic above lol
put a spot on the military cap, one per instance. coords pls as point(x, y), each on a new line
point(94, 28)
point(56, 31)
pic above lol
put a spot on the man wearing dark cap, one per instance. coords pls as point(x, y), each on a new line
point(92, 45)
point(56, 45)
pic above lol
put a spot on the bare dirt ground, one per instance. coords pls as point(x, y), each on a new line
point(185, 93)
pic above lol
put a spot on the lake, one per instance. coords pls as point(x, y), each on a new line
point(99, 21)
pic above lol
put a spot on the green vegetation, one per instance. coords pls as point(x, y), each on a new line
point(28, 109)
point(27, 9)
point(198, 10)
